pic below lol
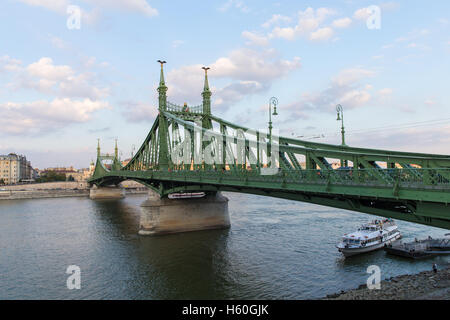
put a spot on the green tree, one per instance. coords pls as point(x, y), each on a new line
point(51, 176)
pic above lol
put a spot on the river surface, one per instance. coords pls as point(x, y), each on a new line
point(275, 249)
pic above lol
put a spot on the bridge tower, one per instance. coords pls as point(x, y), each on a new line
point(206, 94)
point(163, 159)
point(160, 215)
point(116, 162)
point(112, 191)
point(116, 151)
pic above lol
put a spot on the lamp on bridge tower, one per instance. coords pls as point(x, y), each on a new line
point(272, 102)
point(340, 117)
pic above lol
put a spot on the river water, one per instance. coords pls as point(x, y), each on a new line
point(275, 249)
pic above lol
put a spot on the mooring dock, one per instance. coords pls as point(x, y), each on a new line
point(420, 249)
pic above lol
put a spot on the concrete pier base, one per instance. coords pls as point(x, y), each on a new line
point(106, 193)
point(162, 216)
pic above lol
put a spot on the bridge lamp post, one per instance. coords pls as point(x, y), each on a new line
point(340, 117)
point(273, 101)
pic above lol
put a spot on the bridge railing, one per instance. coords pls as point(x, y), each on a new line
point(419, 178)
point(172, 107)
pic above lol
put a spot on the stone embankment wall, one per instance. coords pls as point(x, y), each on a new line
point(45, 193)
point(59, 189)
point(66, 185)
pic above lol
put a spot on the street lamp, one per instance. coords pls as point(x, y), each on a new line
point(273, 101)
point(340, 117)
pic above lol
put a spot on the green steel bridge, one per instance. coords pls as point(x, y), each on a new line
point(188, 149)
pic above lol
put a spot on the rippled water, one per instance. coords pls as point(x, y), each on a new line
point(275, 249)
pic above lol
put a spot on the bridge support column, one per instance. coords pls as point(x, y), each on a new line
point(161, 216)
point(106, 192)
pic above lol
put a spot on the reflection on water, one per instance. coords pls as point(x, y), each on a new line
point(275, 249)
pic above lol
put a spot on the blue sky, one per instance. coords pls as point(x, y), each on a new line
point(61, 88)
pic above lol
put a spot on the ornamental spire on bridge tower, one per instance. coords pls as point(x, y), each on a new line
point(116, 151)
point(162, 89)
point(206, 94)
point(98, 148)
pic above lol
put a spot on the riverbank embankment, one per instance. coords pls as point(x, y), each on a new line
point(38, 194)
point(425, 285)
point(59, 189)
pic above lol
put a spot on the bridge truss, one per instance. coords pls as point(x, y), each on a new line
point(189, 149)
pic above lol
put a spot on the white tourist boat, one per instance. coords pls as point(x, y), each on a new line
point(186, 195)
point(370, 236)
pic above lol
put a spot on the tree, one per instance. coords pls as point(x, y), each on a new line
point(51, 176)
point(2, 182)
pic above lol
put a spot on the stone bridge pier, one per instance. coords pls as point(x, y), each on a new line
point(164, 215)
point(106, 192)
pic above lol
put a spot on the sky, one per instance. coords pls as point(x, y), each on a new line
point(73, 71)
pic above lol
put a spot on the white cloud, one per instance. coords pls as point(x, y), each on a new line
point(60, 6)
point(354, 98)
point(139, 111)
point(385, 91)
point(236, 91)
point(309, 24)
point(237, 4)
point(177, 43)
point(418, 46)
point(413, 35)
point(342, 23)
point(45, 68)
point(275, 20)
point(138, 6)
point(432, 139)
point(255, 39)
point(249, 71)
point(247, 64)
point(61, 80)
point(287, 33)
point(58, 42)
point(347, 88)
point(352, 75)
point(42, 116)
point(361, 14)
point(443, 21)
point(321, 34)
point(9, 64)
